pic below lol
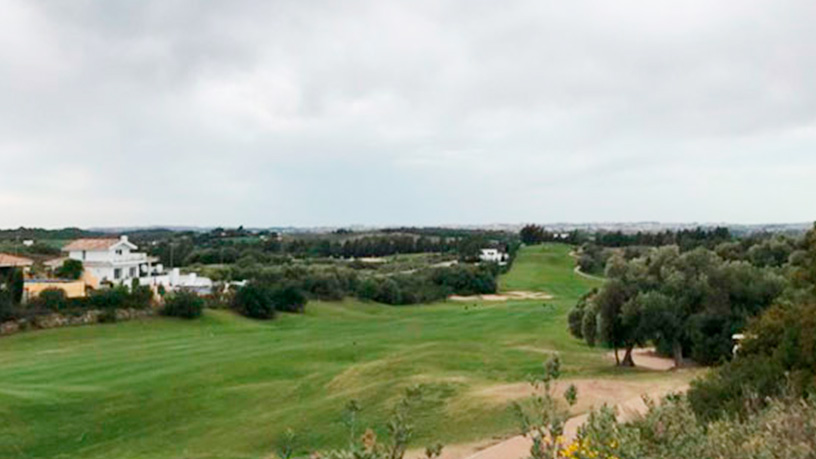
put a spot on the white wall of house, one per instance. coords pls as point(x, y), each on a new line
point(175, 280)
point(117, 263)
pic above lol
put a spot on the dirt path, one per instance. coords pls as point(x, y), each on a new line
point(624, 394)
point(518, 447)
point(577, 270)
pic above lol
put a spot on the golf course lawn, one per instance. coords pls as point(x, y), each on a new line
point(228, 387)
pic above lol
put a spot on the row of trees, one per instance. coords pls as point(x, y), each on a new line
point(759, 250)
point(536, 234)
point(182, 249)
point(184, 252)
point(689, 304)
point(686, 239)
point(420, 286)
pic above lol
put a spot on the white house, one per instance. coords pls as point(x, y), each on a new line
point(111, 260)
point(493, 256)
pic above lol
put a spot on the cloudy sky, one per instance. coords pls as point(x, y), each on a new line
point(413, 112)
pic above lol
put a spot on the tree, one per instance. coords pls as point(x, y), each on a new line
point(70, 269)
point(532, 234)
point(614, 331)
point(575, 319)
point(6, 306)
point(661, 320)
point(16, 286)
point(804, 273)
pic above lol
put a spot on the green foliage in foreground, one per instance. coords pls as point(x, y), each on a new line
point(670, 430)
point(778, 357)
point(227, 386)
point(782, 427)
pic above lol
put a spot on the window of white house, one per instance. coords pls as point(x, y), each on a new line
point(119, 252)
point(133, 272)
point(117, 273)
point(84, 253)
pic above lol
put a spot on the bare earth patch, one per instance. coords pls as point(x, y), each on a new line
point(506, 296)
point(624, 394)
point(647, 358)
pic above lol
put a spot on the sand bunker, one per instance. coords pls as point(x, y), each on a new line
point(506, 296)
point(646, 358)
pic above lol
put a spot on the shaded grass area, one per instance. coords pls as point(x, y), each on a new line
point(225, 386)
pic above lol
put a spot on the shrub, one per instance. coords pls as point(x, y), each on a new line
point(288, 299)
point(710, 338)
point(109, 298)
point(140, 297)
point(575, 319)
point(778, 356)
point(253, 300)
point(184, 304)
point(70, 269)
point(52, 299)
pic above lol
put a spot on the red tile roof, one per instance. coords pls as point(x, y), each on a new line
point(91, 244)
point(11, 261)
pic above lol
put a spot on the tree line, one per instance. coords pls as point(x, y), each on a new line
point(184, 249)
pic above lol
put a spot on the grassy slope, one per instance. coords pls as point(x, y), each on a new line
point(225, 386)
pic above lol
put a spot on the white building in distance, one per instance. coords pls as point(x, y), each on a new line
point(111, 260)
point(493, 256)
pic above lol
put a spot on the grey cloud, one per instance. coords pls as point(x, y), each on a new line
point(289, 112)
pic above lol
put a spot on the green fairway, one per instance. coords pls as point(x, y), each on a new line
point(225, 386)
point(548, 268)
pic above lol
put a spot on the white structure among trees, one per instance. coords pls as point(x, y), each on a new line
point(493, 256)
point(111, 260)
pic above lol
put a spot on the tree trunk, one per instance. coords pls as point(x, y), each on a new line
point(627, 358)
point(617, 359)
point(677, 352)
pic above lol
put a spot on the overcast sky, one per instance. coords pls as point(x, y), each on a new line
point(415, 112)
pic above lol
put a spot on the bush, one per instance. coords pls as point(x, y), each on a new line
point(52, 299)
point(288, 299)
point(254, 300)
point(467, 280)
point(710, 338)
point(109, 298)
point(70, 269)
point(779, 356)
point(140, 297)
point(184, 304)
